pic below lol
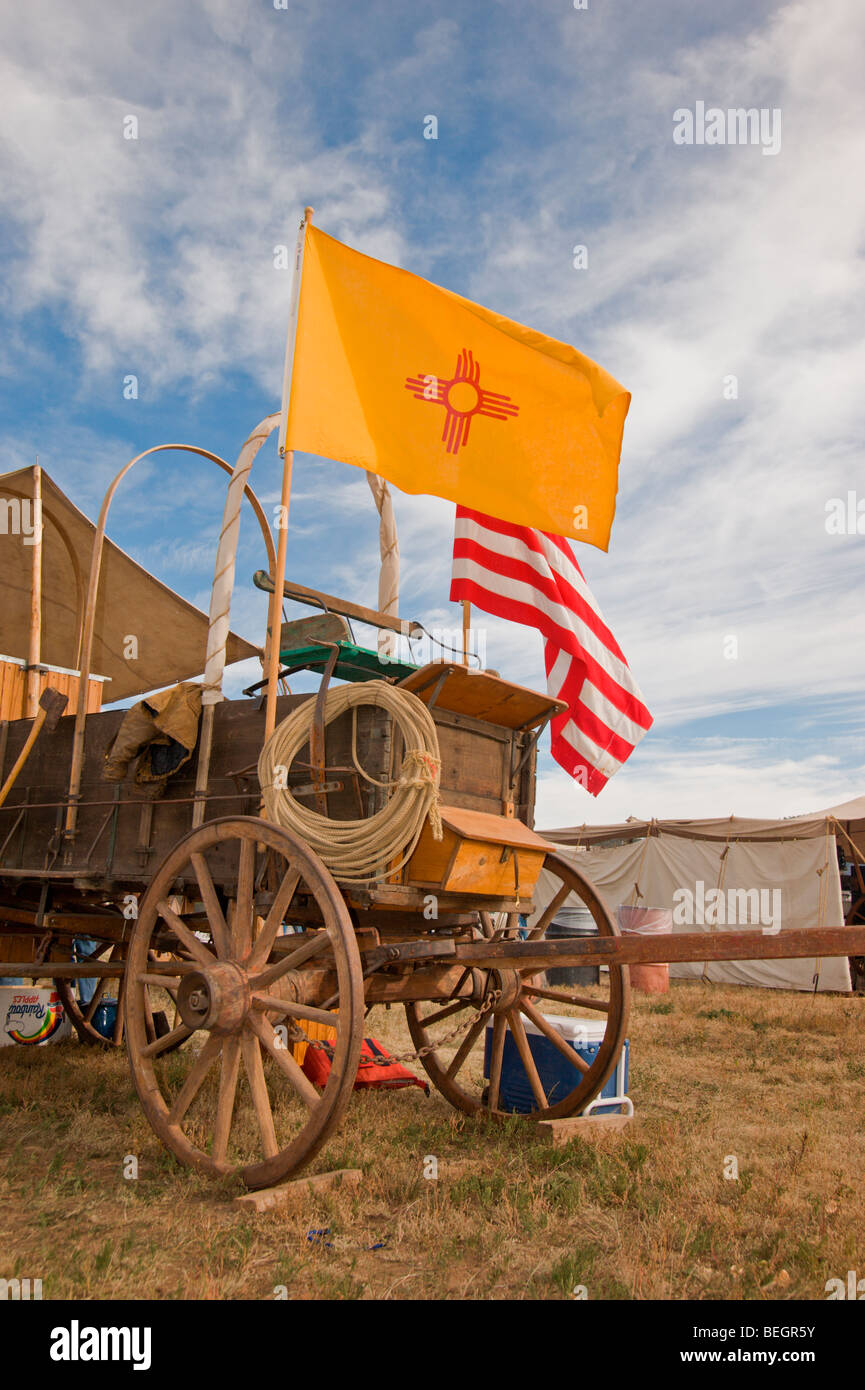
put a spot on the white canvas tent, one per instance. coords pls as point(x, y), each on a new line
point(762, 874)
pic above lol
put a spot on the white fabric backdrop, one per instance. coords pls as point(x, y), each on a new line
point(648, 872)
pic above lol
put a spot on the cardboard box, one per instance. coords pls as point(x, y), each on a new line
point(31, 1015)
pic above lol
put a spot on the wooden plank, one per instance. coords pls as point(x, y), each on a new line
point(475, 761)
point(302, 1189)
point(432, 858)
point(482, 696)
point(447, 719)
point(473, 764)
point(561, 1132)
point(22, 948)
point(302, 594)
point(395, 895)
point(822, 942)
point(102, 928)
point(307, 632)
point(61, 970)
point(479, 868)
point(497, 830)
point(13, 689)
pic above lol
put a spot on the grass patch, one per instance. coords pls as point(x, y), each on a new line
point(770, 1078)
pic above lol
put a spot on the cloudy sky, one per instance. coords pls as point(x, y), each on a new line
point(706, 263)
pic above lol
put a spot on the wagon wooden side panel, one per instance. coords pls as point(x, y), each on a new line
point(123, 830)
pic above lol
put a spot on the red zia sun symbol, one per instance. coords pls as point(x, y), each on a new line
point(462, 398)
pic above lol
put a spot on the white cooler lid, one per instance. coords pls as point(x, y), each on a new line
point(572, 1029)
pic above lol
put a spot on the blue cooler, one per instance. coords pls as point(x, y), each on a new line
point(558, 1077)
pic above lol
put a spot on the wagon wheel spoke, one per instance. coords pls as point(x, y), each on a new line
point(196, 948)
point(157, 981)
point(194, 1081)
point(168, 1040)
point(549, 912)
point(542, 1023)
point(511, 929)
point(283, 1058)
point(450, 1009)
point(465, 1047)
point(310, 948)
point(274, 919)
point(215, 916)
point(175, 1022)
point(117, 1034)
point(251, 1050)
point(487, 925)
point(528, 1061)
point(172, 994)
point(96, 1000)
point(496, 1055)
point(149, 1025)
point(269, 1003)
point(580, 1001)
point(228, 1075)
point(242, 925)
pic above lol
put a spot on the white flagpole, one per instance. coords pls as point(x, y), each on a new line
point(294, 305)
point(388, 575)
point(35, 656)
point(288, 460)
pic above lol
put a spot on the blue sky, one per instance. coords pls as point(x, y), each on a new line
point(155, 257)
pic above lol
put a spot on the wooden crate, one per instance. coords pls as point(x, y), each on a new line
point(480, 854)
point(13, 689)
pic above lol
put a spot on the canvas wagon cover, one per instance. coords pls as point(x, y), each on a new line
point(171, 633)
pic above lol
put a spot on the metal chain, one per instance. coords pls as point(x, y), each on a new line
point(297, 1035)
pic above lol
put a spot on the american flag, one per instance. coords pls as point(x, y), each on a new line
point(532, 577)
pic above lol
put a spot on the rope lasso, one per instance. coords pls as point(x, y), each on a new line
point(360, 851)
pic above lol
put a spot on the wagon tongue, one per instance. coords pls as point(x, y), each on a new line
point(680, 946)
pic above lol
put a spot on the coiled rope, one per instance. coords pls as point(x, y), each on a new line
point(352, 848)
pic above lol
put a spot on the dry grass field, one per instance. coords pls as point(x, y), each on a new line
point(774, 1079)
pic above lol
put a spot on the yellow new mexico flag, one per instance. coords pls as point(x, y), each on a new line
point(439, 395)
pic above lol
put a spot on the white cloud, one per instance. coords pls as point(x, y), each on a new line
point(158, 251)
point(155, 255)
point(721, 777)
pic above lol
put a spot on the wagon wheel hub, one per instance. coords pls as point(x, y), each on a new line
point(509, 985)
point(216, 998)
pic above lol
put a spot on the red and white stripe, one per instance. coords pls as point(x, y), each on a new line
point(532, 577)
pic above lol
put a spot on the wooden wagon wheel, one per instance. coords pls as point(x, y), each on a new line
point(272, 1125)
point(458, 1073)
point(81, 1015)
